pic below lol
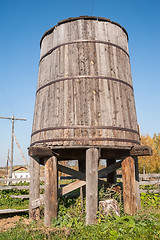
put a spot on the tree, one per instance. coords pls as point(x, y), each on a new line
point(150, 163)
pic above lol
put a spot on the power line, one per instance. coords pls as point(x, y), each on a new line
point(92, 7)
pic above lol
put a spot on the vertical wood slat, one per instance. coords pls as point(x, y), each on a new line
point(34, 192)
point(92, 157)
point(51, 186)
point(85, 102)
point(131, 196)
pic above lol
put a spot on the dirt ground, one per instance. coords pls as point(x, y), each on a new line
point(10, 222)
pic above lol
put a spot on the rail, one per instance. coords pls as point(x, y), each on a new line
point(145, 179)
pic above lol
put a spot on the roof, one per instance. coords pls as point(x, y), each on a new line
point(21, 169)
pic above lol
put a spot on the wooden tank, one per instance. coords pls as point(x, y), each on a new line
point(84, 93)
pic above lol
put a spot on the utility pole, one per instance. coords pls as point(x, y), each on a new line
point(13, 119)
point(7, 164)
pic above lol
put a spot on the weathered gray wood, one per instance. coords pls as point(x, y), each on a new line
point(34, 191)
point(18, 179)
point(40, 151)
point(150, 191)
point(14, 187)
point(8, 211)
point(149, 182)
point(141, 151)
point(20, 196)
point(38, 202)
point(72, 172)
point(80, 101)
point(14, 179)
point(72, 186)
point(150, 175)
point(109, 169)
point(130, 187)
point(51, 185)
point(92, 157)
point(111, 177)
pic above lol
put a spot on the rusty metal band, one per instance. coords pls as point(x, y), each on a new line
point(83, 78)
point(86, 127)
point(84, 139)
point(83, 41)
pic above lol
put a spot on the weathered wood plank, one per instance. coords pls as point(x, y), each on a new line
point(150, 191)
point(92, 157)
point(72, 172)
point(71, 187)
point(18, 179)
point(111, 177)
point(38, 202)
point(34, 189)
point(141, 151)
point(20, 196)
point(8, 211)
point(38, 151)
point(109, 169)
point(51, 186)
point(150, 175)
point(130, 192)
point(14, 179)
point(154, 182)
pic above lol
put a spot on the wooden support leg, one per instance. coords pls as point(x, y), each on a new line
point(51, 185)
point(131, 196)
point(92, 156)
point(34, 193)
point(82, 168)
point(138, 201)
point(111, 177)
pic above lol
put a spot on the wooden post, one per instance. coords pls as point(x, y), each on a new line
point(111, 177)
point(82, 168)
point(34, 193)
point(138, 201)
point(51, 187)
point(92, 156)
point(131, 196)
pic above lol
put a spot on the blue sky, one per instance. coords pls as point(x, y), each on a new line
point(22, 24)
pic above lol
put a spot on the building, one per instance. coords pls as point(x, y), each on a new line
point(21, 172)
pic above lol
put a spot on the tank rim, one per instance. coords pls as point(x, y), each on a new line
point(100, 19)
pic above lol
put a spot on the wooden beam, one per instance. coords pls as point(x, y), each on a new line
point(111, 177)
point(141, 151)
point(38, 202)
point(51, 186)
point(38, 151)
point(10, 211)
point(92, 156)
point(109, 169)
point(72, 172)
point(71, 187)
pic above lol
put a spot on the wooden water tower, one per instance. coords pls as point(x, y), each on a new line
point(85, 111)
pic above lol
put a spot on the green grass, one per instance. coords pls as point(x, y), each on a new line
point(71, 223)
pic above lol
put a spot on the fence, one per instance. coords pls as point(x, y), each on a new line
point(145, 179)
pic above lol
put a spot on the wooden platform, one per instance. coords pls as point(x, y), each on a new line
point(63, 153)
